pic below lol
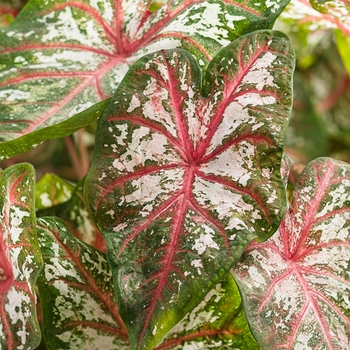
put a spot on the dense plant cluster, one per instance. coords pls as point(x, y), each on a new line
point(158, 189)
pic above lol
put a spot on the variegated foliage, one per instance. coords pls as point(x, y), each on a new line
point(184, 177)
point(58, 58)
point(296, 285)
point(20, 259)
point(76, 293)
point(80, 310)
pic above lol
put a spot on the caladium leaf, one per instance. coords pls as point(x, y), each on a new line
point(59, 58)
point(183, 179)
point(76, 293)
point(296, 285)
point(218, 322)
point(20, 259)
point(51, 190)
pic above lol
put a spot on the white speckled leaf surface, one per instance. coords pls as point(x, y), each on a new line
point(20, 259)
point(296, 285)
point(76, 293)
point(184, 177)
point(58, 58)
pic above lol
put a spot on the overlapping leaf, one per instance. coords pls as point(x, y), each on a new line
point(20, 259)
point(72, 319)
point(218, 322)
point(296, 285)
point(58, 58)
point(180, 183)
point(76, 293)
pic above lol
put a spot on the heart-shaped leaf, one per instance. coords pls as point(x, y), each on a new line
point(20, 259)
point(183, 179)
point(296, 285)
point(76, 293)
point(59, 58)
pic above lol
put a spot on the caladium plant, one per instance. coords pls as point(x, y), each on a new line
point(77, 294)
point(59, 58)
point(20, 259)
point(184, 177)
point(296, 285)
point(187, 171)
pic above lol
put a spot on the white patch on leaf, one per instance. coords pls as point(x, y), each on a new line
point(85, 337)
point(105, 8)
point(202, 19)
point(154, 108)
point(79, 108)
point(122, 137)
point(234, 116)
point(198, 264)
point(66, 28)
point(166, 43)
point(232, 19)
point(57, 268)
point(203, 242)
point(150, 189)
point(340, 195)
point(19, 310)
point(226, 203)
point(145, 146)
point(16, 221)
point(11, 95)
point(235, 164)
point(134, 103)
point(259, 74)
